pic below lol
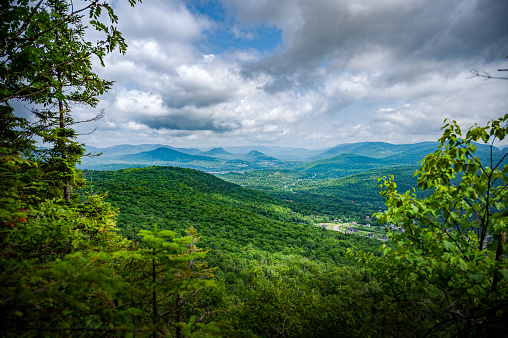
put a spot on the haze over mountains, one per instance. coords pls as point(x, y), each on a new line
point(338, 161)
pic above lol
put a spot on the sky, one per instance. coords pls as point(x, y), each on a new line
point(300, 73)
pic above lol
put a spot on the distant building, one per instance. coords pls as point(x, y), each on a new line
point(367, 225)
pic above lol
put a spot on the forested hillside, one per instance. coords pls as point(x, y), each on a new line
point(377, 149)
point(351, 197)
point(229, 217)
point(254, 240)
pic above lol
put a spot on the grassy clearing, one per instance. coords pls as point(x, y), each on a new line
point(377, 231)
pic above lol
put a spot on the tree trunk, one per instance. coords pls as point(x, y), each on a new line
point(67, 194)
point(499, 257)
point(179, 333)
point(154, 295)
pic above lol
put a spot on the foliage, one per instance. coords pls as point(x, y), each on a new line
point(229, 218)
point(261, 267)
point(50, 274)
point(37, 38)
point(64, 269)
point(172, 276)
point(250, 246)
point(47, 62)
point(450, 261)
point(319, 198)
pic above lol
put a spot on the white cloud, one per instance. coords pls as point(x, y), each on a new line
point(384, 110)
point(166, 21)
point(208, 58)
point(345, 71)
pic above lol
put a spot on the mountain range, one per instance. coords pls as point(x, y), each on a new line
point(338, 161)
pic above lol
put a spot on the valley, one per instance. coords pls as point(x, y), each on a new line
point(274, 244)
point(277, 232)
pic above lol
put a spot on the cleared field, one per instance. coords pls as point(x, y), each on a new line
point(373, 231)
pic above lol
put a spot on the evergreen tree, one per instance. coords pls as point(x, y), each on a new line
point(47, 62)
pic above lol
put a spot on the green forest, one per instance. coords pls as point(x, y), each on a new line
point(164, 251)
point(328, 194)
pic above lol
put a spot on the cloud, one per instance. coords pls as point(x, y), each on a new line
point(344, 71)
point(404, 40)
point(161, 20)
point(202, 85)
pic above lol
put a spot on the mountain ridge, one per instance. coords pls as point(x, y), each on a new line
point(163, 154)
point(220, 159)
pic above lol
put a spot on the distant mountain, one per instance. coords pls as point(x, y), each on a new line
point(252, 156)
point(347, 148)
point(382, 155)
point(281, 153)
point(263, 149)
point(125, 149)
point(376, 149)
point(418, 152)
point(215, 152)
point(164, 155)
point(295, 154)
point(256, 156)
point(412, 154)
point(364, 187)
point(342, 165)
point(118, 157)
point(339, 161)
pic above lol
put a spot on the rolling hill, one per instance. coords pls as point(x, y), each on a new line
point(339, 161)
point(364, 187)
point(228, 216)
point(257, 156)
point(125, 149)
point(376, 149)
point(164, 155)
point(342, 165)
point(215, 152)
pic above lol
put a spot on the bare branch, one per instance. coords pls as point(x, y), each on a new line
point(93, 119)
point(486, 75)
point(93, 131)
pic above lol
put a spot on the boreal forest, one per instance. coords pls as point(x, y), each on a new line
point(369, 240)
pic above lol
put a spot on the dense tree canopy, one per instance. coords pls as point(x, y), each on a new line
point(451, 260)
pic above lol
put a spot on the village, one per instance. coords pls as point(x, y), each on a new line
point(365, 230)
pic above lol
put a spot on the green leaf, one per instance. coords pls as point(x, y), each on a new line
point(504, 273)
point(427, 237)
point(477, 277)
point(448, 245)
